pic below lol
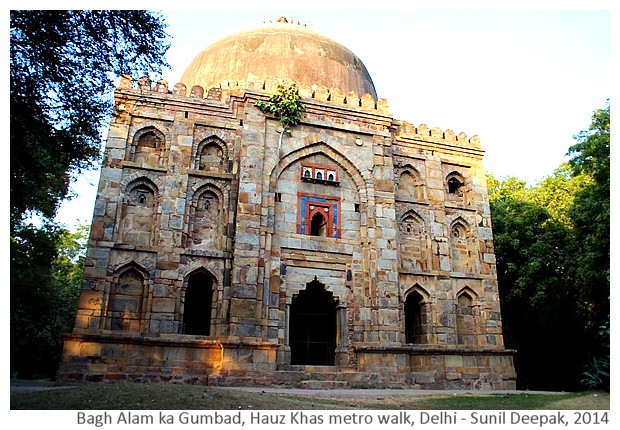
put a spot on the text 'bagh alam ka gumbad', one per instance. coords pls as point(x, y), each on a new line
point(356, 251)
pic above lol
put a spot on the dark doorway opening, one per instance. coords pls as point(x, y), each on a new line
point(413, 317)
point(198, 301)
point(312, 330)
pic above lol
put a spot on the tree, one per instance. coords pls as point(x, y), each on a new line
point(552, 249)
point(63, 66)
point(591, 211)
point(591, 217)
point(286, 105)
point(46, 272)
point(537, 302)
point(557, 192)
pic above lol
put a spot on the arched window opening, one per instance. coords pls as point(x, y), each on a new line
point(454, 185)
point(410, 186)
point(211, 156)
point(148, 140)
point(411, 226)
point(457, 191)
point(415, 318)
point(319, 216)
point(142, 196)
point(458, 232)
point(198, 304)
point(147, 147)
point(318, 225)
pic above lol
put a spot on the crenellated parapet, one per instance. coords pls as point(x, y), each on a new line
point(408, 132)
point(223, 90)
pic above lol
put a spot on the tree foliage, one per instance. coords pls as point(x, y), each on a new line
point(63, 66)
point(46, 272)
point(552, 248)
point(591, 213)
point(285, 104)
point(536, 300)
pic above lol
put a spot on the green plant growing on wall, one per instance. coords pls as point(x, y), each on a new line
point(285, 104)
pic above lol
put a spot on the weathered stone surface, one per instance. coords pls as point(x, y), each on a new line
point(213, 241)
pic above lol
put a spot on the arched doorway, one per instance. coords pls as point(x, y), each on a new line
point(312, 331)
point(197, 306)
point(414, 318)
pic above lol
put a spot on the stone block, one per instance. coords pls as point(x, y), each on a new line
point(424, 378)
point(161, 304)
point(454, 361)
point(90, 300)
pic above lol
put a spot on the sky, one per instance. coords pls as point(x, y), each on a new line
point(524, 79)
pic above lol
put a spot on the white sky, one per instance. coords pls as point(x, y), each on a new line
point(524, 80)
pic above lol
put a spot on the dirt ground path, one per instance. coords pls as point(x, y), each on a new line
point(370, 392)
point(26, 385)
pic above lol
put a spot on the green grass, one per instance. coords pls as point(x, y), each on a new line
point(134, 396)
point(577, 401)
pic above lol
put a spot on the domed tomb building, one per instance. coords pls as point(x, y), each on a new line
point(356, 250)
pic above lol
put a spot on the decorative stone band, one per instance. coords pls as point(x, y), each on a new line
point(365, 102)
point(321, 93)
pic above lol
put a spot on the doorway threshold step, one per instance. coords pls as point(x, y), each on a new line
point(323, 385)
point(314, 368)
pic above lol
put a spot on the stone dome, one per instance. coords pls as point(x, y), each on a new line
point(280, 50)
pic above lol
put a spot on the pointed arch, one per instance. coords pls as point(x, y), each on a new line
point(413, 242)
point(211, 155)
point(420, 290)
point(454, 181)
point(318, 224)
point(312, 330)
point(197, 302)
point(459, 229)
point(467, 317)
point(409, 184)
point(295, 196)
point(411, 223)
point(417, 315)
point(207, 224)
point(126, 297)
point(456, 187)
point(469, 292)
point(335, 156)
point(141, 183)
point(463, 247)
point(138, 217)
point(147, 146)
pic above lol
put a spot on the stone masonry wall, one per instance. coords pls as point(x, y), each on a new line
point(198, 186)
